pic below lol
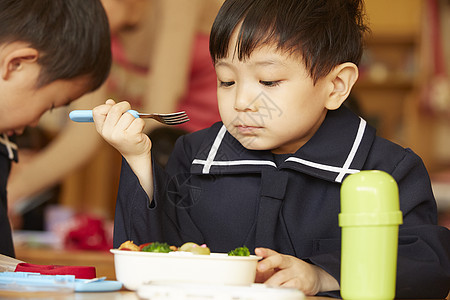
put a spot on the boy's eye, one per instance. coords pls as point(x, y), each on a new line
point(269, 83)
point(226, 83)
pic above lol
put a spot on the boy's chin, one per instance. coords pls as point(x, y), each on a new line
point(251, 143)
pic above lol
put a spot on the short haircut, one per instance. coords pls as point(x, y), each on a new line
point(72, 37)
point(325, 33)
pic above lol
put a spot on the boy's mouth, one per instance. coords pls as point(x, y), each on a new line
point(12, 132)
point(246, 129)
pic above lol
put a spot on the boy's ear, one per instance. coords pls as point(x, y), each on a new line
point(343, 77)
point(15, 60)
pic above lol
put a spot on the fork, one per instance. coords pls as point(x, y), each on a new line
point(168, 119)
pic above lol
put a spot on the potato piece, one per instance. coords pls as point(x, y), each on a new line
point(187, 246)
point(195, 248)
point(129, 245)
point(202, 250)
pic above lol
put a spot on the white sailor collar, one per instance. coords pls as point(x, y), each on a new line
point(339, 148)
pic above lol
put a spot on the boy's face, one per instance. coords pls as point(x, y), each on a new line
point(269, 101)
point(22, 104)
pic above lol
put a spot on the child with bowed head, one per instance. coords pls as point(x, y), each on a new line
point(51, 53)
point(269, 175)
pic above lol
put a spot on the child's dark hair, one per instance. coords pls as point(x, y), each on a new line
point(72, 36)
point(325, 33)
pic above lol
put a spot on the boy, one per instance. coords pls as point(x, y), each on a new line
point(51, 52)
point(269, 175)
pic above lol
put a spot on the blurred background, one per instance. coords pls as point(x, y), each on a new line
point(403, 91)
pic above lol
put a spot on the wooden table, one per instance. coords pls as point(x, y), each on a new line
point(120, 295)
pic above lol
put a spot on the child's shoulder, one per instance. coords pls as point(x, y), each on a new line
point(388, 148)
point(392, 155)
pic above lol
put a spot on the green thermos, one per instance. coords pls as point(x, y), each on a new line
point(370, 216)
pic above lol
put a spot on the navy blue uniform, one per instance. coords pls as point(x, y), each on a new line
point(217, 192)
point(7, 154)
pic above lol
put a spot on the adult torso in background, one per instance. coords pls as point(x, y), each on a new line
point(135, 43)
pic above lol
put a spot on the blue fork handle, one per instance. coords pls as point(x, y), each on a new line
point(85, 116)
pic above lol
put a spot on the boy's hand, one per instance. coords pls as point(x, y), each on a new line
point(277, 269)
point(120, 129)
point(125, 133)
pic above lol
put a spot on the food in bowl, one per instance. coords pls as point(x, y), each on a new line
point(239, 251)
point(165, 248)
point(130, 246)
point(157, 247)
point(186, 247)
point(135, 267)
point(195, 248)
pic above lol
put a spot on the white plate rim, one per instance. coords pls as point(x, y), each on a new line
point(212, 256)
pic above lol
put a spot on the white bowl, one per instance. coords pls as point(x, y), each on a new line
point(134, 268)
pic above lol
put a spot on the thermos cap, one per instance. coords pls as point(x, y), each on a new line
point(369, 198)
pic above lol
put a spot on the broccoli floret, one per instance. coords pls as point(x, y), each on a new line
point(157, 247)
point(239, 251)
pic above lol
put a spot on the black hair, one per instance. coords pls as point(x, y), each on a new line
point(325, 33)
point(72, 37)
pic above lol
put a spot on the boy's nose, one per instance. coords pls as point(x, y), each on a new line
point(245, 100)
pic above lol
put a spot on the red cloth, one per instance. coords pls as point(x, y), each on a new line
point(81, 272)
point(87, 233)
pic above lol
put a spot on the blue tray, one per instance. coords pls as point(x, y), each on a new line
point(28, 281)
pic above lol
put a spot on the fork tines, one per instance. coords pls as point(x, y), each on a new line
point(173, 118)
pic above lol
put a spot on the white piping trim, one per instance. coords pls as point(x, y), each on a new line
point(272, 164)
point(9, 145)
point(351, 155)
point(214, 148)
point(321, 166)
point(234, 163)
